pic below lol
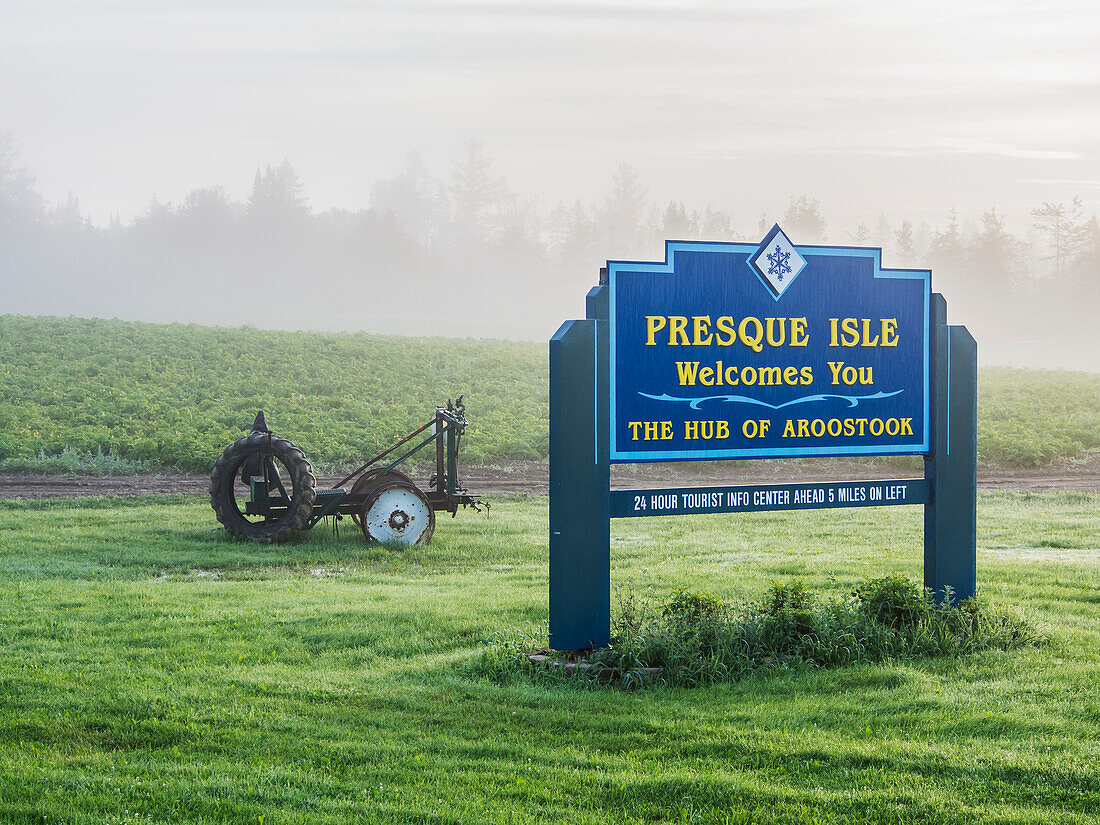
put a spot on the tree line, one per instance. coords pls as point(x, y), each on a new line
point(460, 252)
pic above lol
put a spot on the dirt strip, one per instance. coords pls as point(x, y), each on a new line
point(532, 477)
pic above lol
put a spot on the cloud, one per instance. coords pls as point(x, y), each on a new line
point(969, 146)
point(1060, 182)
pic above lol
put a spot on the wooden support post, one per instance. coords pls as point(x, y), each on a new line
point(580, 484)
point(950, 517)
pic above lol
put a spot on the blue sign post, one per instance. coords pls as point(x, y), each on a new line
point(768, 350)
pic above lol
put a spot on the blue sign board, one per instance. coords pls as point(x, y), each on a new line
point(733, 350)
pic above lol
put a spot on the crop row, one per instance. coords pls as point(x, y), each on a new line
point(176, 395)
point(109, 395)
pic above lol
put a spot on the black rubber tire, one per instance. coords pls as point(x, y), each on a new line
point(303, 488)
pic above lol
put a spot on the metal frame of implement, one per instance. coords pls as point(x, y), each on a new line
point(445, 494)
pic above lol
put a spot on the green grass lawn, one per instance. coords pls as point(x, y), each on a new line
point(153, 669)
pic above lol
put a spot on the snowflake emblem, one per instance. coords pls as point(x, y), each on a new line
point(779, 263)
point(776, 262)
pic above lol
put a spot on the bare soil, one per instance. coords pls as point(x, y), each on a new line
point(532, 477)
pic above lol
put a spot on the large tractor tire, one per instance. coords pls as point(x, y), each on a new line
point(285, 467)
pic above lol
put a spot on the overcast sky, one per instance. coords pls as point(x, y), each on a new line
point(877, 107)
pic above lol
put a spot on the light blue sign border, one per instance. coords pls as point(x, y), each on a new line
point(668, 266)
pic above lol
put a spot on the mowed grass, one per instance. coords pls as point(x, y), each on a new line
point(153, 669)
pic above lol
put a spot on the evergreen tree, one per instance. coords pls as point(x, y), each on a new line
point(716, 225)
point(803, 221)
point(905, 244)
point(992, 253)
point(677, 224)
point(277, 210)
point(20, 204)
point(476, 193)
point(622, 216)
point(1065, 231)
point(413, 201)
point(1085, 274)
point(763, 224)
point(861, 236)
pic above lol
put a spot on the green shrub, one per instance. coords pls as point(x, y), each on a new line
point(894, 601)
point(697, 638)
point(784, 596)
point(693, 609)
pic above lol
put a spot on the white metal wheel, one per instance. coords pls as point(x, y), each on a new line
point(398, 513)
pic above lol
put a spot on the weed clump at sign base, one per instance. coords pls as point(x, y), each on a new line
point(697, 638)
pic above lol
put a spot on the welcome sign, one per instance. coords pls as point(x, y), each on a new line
point(731, 350)
point(745, 350)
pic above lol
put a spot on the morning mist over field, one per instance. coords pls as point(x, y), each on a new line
point(465, 168)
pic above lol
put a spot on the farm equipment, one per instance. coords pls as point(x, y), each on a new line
point(263, 488)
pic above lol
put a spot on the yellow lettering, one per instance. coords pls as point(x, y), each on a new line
point(706, 377)
point(634, 425)
point(701, 326)
point(807, 376)
point(725, 327)
point(708, 430)
point(676, 334)
point(666, 430)
point(772, 341)
point(754, 341)
point(770, 376)
point(653, 324)
point(687, 371)
point(834, 368)
point(867, 342)
point(889, 332)
point(799, 338)
point(849, 328)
